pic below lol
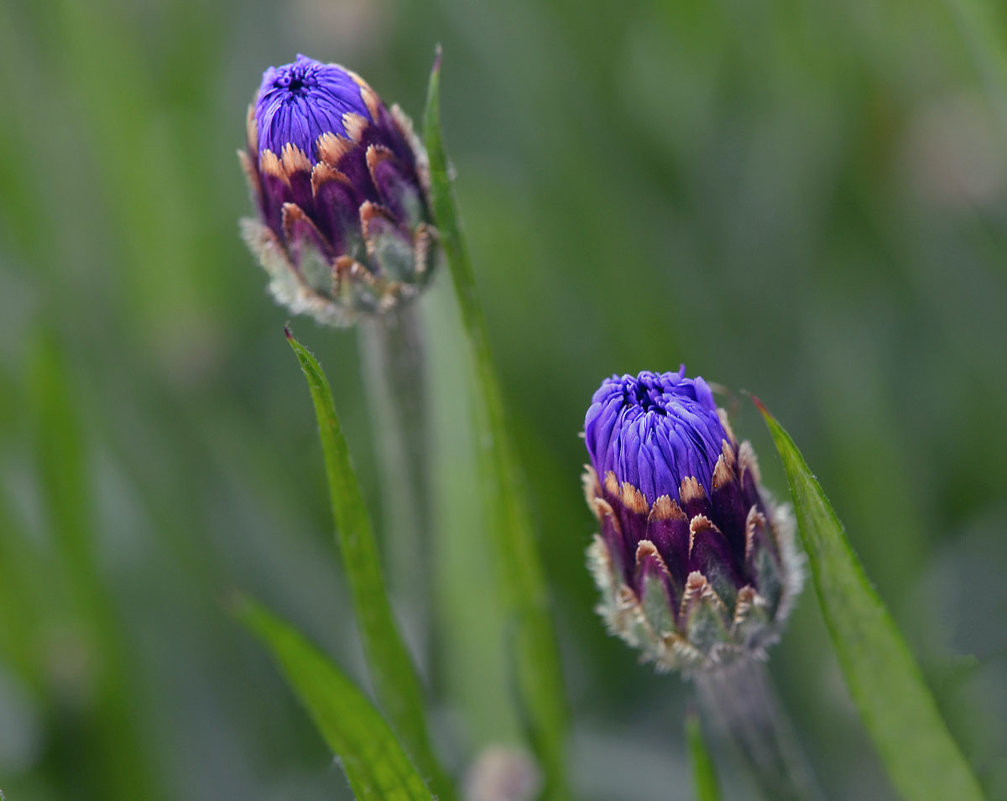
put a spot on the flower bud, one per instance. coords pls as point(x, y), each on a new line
point(696, 564)
point(341, 184)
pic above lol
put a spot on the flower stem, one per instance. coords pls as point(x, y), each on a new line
point(741, 703)
point(392, 361)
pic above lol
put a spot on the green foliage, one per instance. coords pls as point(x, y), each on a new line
point(897, 708)
point(801, 197)
point(113, 756)
point(395, 680)
point(984, 34)
point(520, 576)
point(704, 775)
point(375, 763)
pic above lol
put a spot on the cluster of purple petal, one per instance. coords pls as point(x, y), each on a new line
point(653, 430)
point(299, 102)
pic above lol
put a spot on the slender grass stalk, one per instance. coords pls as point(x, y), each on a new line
point(704, 775)
point(520, 577)
point(396, 684)
point(740, 700)
point(393, 361)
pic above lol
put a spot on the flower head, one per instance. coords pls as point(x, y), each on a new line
point(340, 183)
point(696, 564)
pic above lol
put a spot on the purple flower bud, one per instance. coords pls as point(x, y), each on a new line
point(341, 186)
point(654, 430)
point(695, 563)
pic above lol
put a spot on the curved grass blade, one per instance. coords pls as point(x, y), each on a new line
point(374, 761)
point(520, 575)
point(899, 712)
point(396, 684)
point(704, 776)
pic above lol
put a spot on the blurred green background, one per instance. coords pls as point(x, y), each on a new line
point(802, 198)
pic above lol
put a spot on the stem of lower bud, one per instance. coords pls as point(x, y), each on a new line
point(740, 701)
point(393, 367)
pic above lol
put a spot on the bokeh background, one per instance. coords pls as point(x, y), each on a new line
point(801, 198)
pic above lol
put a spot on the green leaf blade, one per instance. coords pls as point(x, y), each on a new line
point(704, 776)
point(375, 763)
point(521, 577)
point(886, 684)
point(396, 683)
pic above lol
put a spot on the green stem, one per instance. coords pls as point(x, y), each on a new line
point(521, 578)
point(740, 700)
point(392, 356)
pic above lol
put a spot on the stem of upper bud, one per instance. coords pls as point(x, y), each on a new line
point(740, 701)
point(393, 368)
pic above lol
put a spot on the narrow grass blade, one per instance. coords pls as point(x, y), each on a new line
point(984, 36)
point(704, 776)
point(20, 614)
point(374, 761)
point(520, 574)
point(110, 737)
point(395, 681)
point(896, 706)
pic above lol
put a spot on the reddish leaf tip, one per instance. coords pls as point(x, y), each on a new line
point(760, 407)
